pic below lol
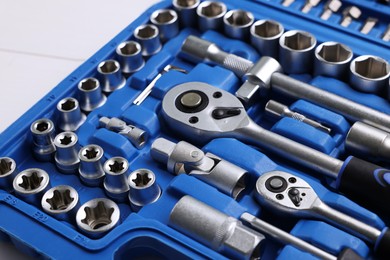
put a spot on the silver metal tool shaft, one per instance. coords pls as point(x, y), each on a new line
point(284, 237)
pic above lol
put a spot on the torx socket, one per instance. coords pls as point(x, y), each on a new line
point(110, 76)
point(90, 94)
point(42, 131)
point(264, 35)
point(148, 37)
point(66, 157)
point(237, 23)
point(31, 184)
point(130, 57)
point(210, 15)
point(144, 189)
point(70, 116)
point(97, 217)
point(167, 23)
point(369, 74)
point(366, 140)
point(215, 229)
point(332, 59)
point(186, 9)
point(115, 183)
point(296, 51)
point(8, 172)
point(91, 165)
point(61, 202)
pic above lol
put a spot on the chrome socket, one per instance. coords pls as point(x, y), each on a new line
point(265, 36)
point(130, 57)
point(66, 157)
point(8, 172)
point(296, 51)
point(70, 116)
point(237, 23)
point(148, 36)
point(31, 184)
point(115, 183)
point(61, 202)
point(332, 59)
point(369, 74)
point(90, 94)
point(110, 76)
point(91, 165)
point(143, 188)
point(210, 15)
point(186, 9)
point(97, 217)
point(167, 23)
point(43, 134)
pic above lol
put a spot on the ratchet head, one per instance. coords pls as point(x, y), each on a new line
point(198, 109)
point(285, 192)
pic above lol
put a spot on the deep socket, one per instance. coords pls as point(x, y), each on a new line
point(167, 23)
point(265, 36)
point(90, 94)
point(148, 37)
point(110, 76)
point(210, 15)
point(8, 172)
point(97, 217)
point(31, 184)
point(66, 157)
point(91, 165)
point(144, 189)
point(130, 57)
point(115, 184)
point(237, 23)
point(70, 116)
point(186, 10)
point(42, 131)
point(61, 202)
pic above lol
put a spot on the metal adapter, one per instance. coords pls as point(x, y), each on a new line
point(144, 189)
point(43, 134)
point(215, 229)
point(186, 158)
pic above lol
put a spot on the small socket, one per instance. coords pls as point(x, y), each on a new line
point(167, 23)
point(210, 15)
point(186, 9)
point(70, 116)
point(97, 217)
point(130, 57)
point(265, 36)
point(42, 131)
point(91, 165)
point(90, 94)
point(66, 157)
point(8, 172)
point(115, 183)
point(369, 74)
point(148, 37)
point(61, 202)
point(143, 188)
point(31, 184)
point(110, 76)
point(237, 23)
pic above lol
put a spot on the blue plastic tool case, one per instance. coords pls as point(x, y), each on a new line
point(146, 234)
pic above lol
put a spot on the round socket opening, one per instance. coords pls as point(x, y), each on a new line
point(109, 66)
point(212, 9)
point(68, 104)
point(186, 3)
point(99, 216)
point(372, 67)
point(129, 48)
point(89, 84)
point(31, 181)
point(268, 29)
point(164, 16)
point(6, 166)
point(335, 53)
point(239, 18)
point(142, 179)
point(146, 31)
point(299, 41)
point(61, 199)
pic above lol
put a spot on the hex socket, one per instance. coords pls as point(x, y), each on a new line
point(61, 202)
point(66, 157)
point(186, 10)
point(110, 76)
point(148, 36)
point(265, 36)
point(167, 23)
point(42, 131)
point(130, 57)
point(210, 15)
point(91, 165)
point(237, 23)
point(70, 116)
point(296, 51)
point(115, 183)
point(144, 189)
point(31, 184)
point(369, 74)
point(90, 94)
point(8, 172)
point(332, 59)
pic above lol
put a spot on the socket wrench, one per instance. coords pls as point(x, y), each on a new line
point(148, 36)
point(210, 15)
point(90, 94)
point(237, 23)
point(42, 131)
point(267, 74)
point(144, 189)
point(66, 157)
point(91, 165)
point(186, 10)
point(215, 113)
point(130, 57)
point(70, 116)
point(115, 184)
point(294, 196)
point(110, 76)
point(8, 172)
point(167, 23)
point(265, 36)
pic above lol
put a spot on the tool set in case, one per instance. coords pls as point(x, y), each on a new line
point(212, 129)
